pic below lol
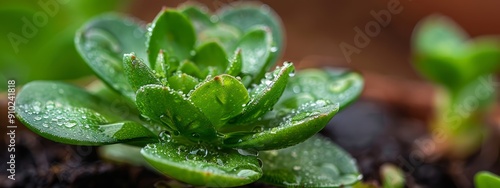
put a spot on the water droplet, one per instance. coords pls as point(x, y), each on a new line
point(296, 168)
point(181, 149)
point(214, 18)
point(176, 133)
point(195, 135)
point(261, 164)
point(49, 105)
point(45, 125)
point(273, 130)
point(38, 118)
point(274, 49)
point(71, 123)
point(258, 129)
point(246, 173)
point(164, 136)
point(192, 53)
point(330, 169)
point(268, 82)
point(248, 152)
point(220, 162)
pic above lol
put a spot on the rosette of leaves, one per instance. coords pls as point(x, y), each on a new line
point(194, 90)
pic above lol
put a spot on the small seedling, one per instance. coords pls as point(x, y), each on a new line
point(192, 89)
point(463, 67)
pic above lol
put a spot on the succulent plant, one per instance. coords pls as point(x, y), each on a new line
point(194, 90)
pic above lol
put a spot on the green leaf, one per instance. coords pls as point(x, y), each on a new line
point(122, 153)
point(283, 131)
point(256, 50)
point(211, 54)
point(439, 47)
point(138, 73)
point(245, 16)
point(199, 16)
point(484, 57)
point(192, 69)
point(317, 162)
point(103, 41)
point(226, 35)
point(220, 98)
point(130, 131)
point(439, 35)
point(173, 109)
point(235, 64)
point(485, 179)
point(165, 66)
point(202, 166)
point(183, 82)
point(172, 32)
point(266, 94)
point(337, 85)
point(68, 114)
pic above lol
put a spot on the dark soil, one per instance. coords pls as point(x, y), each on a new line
point(374, 135)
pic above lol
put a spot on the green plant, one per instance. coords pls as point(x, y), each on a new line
point(200, 104)
point(392, 176)
point(485, 179)
point(463, 67)
point(38, 38)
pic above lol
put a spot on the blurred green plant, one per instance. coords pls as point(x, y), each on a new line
point(463, 67)
point(202, 103)
point(37, 38)
point(485, 179)
point(392, 176)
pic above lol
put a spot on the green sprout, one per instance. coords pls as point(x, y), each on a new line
point(194, 91)
point(464, 68)
point(485, 179)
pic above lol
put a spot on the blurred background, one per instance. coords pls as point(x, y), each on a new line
point(314, 29)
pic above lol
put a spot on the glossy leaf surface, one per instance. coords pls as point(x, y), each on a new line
point(174, 110)
point(245, 16)
point(137, 72)
point(337, 85)
point(256, 49)
point(220, 98)
point(282, 131)
point(173, 33)
point(203, 166)
point(102, 43)
point(317, 162)
point(266, 94)
point(70, 115)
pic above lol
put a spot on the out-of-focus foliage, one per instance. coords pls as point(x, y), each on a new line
point(446, 55)
point(36, 37)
